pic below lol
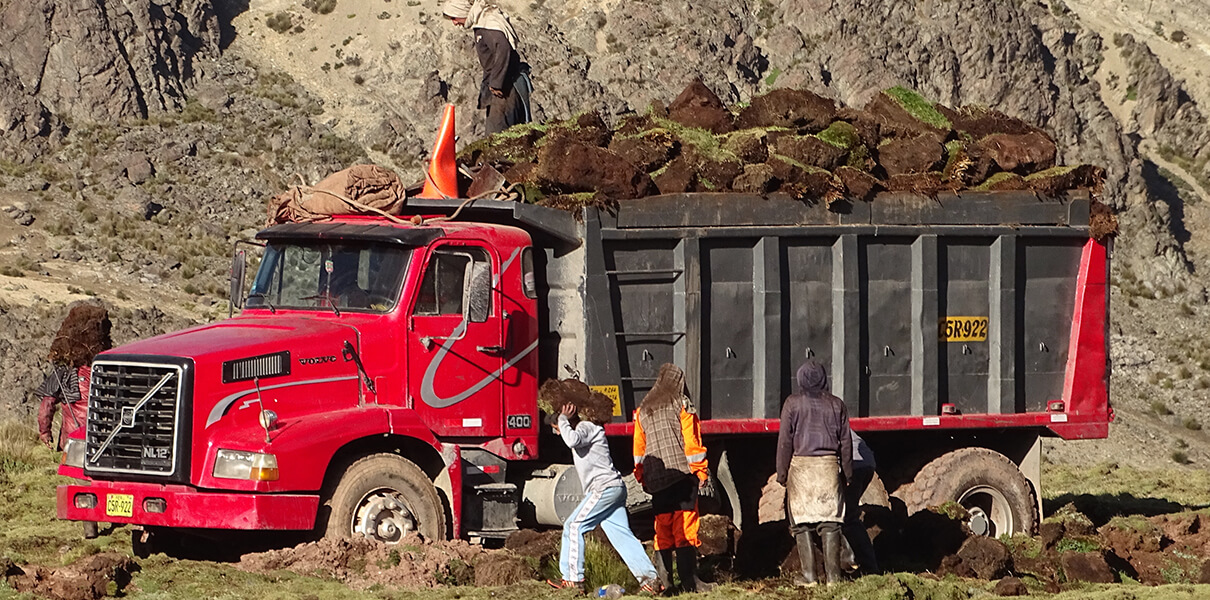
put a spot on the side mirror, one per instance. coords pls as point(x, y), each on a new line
point(239, 264)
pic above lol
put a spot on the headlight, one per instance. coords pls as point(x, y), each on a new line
point(237, 464)
point(73, 453)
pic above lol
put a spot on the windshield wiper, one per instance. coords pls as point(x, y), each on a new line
point(328, 297)
point(265, 299)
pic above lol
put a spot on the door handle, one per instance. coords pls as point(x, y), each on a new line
point(490, 349)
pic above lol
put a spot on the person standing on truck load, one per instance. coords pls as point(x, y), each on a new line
point(860, 552)
point(83, 334)
point(814, 449)
point(604, 503)
point(670, 464)
point(506, 87)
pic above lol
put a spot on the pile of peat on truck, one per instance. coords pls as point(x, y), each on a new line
point(382, 375)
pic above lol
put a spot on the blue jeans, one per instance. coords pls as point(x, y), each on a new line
point(606, 508)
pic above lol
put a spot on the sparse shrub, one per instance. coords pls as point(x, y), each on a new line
point(1180, 457)
point(1187, 310)
point(1058, 8)
point(1167, 384)
point(1119, 39)
point(358, 79)
point(1132, 93)
point(1183, 372)
point(1178, 36)
point(353, 61)
point(1158, 407)
point(322, 7)
point(18, 447)
point(1158, 28)
point(280, 22)
point(1192, 424)
point(1180, 444)
point(11, 271)
point(384, 15)
point(1202, 383)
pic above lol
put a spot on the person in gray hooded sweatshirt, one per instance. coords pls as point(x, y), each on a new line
point(814, 451)
point(506, 87)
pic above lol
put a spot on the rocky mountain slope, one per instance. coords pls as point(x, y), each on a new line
point(140, 139)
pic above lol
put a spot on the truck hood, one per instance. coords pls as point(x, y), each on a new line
point(246, 336)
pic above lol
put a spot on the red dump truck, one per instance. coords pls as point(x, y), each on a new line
point(382, 375)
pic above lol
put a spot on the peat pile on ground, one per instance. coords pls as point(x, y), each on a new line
point(788, 141)
point(90, 578)
point(412, 563)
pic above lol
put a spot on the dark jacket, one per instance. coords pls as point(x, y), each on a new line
point(500, 63)
point(814, 423)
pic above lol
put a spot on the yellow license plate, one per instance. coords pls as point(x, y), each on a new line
point(119, 505)
point(964, 329)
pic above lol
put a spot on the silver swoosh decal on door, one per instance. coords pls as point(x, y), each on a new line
point(429, 396)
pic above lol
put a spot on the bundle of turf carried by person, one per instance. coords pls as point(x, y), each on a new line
point(591, 405)
point(787, 141)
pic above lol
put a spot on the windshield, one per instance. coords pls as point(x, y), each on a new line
point(357, 276)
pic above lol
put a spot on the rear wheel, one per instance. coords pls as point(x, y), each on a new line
point(987, 484)
point(385, 497)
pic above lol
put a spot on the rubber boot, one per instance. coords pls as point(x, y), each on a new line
point(848, 561)
point(831, 555)
point(686, 565)
point(90, 530)
point(861, 549)
point(663, 568)
point(806, 556)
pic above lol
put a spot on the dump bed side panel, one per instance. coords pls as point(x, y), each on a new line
point(961, 311)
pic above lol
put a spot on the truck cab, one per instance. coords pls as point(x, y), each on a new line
point(359, 338)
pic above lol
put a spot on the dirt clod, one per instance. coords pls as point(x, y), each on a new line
point(698, 106)
point(797, 109)
point(1086, 566)
point(919, 154)
point(1022, 153)
point(1010, 586)
point(89, 578)
point(361, 562)
point(593, 406)
point(570, 166)
point(987, 557)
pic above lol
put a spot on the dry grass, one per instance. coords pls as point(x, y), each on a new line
point(19, 447)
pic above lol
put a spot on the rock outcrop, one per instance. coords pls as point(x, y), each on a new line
point(94, 61)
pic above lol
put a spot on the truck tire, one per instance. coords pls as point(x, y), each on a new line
point(385, 497)
point(995, 492)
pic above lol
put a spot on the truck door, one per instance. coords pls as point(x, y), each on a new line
point(456, 345)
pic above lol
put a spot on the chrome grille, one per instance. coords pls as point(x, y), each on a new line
point(132, 425)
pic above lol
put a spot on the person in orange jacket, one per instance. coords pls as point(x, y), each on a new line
point(670, 464)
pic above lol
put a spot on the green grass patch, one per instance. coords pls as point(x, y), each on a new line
point(1185, 487)
point(1077, 544)
point(840, 134)
point(919, 107)
point(707, 145)
point(993, 180)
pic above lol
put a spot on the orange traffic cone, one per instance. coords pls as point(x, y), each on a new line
point(442, 179)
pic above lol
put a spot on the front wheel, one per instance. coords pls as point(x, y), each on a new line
point(385, 497)
point(987, 484)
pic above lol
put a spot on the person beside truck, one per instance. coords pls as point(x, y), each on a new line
point(814, 450)
point(670, 464)
point(860, 551)
point(604, 504)
point(81, 336)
